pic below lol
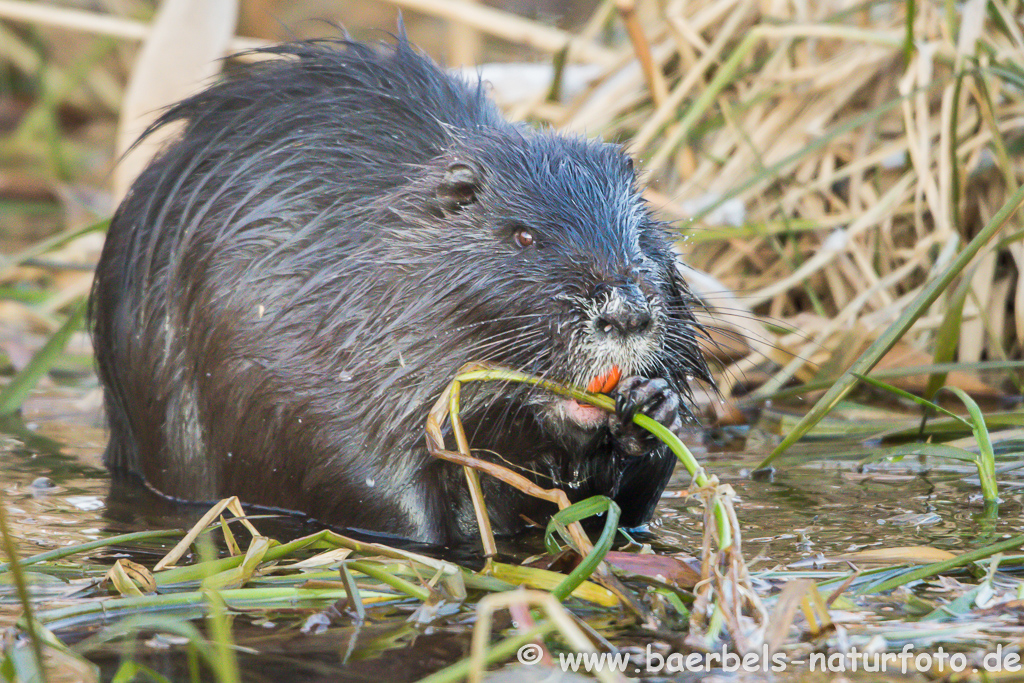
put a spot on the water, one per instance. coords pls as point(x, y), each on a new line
point(826, 506)
point(54, 482)
point(807, 516)
point(829, 507)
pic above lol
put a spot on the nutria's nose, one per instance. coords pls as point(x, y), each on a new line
point(626, 312)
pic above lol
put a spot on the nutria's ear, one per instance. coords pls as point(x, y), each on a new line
point(459, 186)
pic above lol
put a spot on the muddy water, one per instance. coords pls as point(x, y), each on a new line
point(804, 517)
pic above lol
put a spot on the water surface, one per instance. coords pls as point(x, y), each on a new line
point(818, 506)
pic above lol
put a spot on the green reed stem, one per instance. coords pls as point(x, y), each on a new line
point(606, 403)
point(22, 587)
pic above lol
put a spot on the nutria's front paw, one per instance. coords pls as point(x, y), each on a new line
point(652, 397)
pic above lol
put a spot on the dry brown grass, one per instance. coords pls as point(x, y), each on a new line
point(856, 171)
point(820, 167)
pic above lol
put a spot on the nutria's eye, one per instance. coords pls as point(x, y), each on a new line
point(523, 238)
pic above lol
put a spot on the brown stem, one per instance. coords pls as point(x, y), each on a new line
point(652, 73)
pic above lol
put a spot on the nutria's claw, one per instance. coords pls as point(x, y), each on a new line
point(626, 407)
point(656, 399)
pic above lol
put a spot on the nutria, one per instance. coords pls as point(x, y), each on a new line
point(290, 285)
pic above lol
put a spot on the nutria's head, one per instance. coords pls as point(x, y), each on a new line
point(555, 265)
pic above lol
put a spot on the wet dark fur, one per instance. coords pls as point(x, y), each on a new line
point(288, 288)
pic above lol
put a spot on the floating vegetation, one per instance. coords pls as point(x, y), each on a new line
point(846, 180)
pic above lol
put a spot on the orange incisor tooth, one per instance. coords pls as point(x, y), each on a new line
point(603, 384)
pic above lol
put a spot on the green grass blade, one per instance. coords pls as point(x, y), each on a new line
point(907, 395)
point(932, 450)
point(21, 588)
point(14, 394)
point(939, 567)
point(355, 601)
point(908, 38)
point(133, 671)
point(895, 332)
point(496, 653)
point(677, 447)
point(948, 336)
point(909, 371)
point(944, 427)
point(987, 456)
point(959, 608)
point(225, 663)
point(396, 582)
point(574, 513)
point(49, 244)
point(61, 553)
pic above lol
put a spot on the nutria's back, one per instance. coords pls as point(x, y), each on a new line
point(286, 290)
